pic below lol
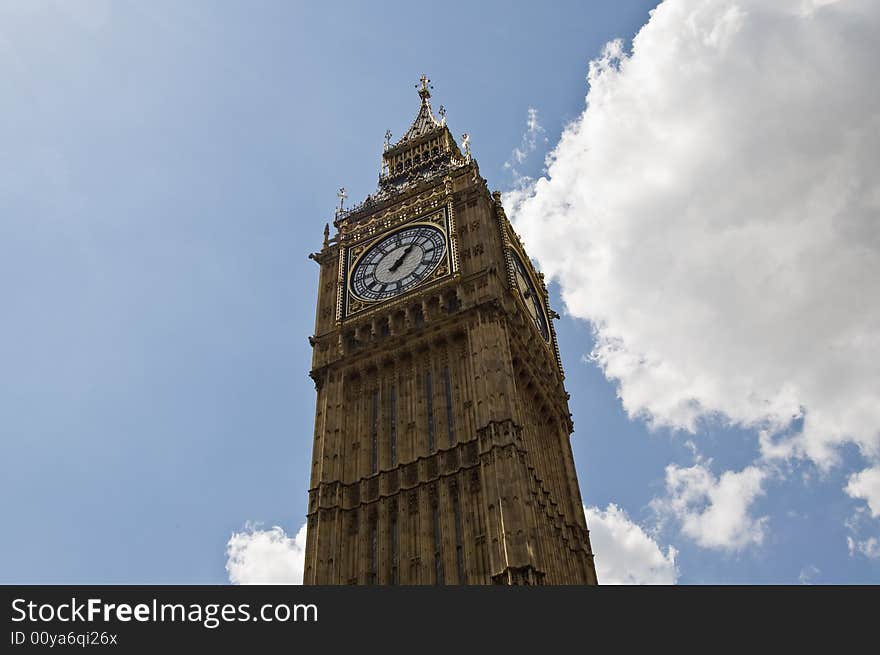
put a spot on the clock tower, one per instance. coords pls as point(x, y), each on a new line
point(441, 447)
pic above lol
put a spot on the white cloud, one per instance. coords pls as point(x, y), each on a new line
point(715, 212)
point(534, 131)
point(866, 485)
point(625, 553)
point(266, 556)
point(808, 574)
point(714, 511)
point(863, 537)
point(869, 547)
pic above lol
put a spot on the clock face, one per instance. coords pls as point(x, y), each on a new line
point(534, 302)
point(398, 262)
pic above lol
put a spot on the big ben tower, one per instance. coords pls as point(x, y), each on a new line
point(441, 447)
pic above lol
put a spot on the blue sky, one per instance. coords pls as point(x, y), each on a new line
point(166, 169)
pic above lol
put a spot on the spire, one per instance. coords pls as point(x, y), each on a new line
point(425, 150)
point(425, 120)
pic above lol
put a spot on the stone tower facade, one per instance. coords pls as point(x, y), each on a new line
point(441, 447)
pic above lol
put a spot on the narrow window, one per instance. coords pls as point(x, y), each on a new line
point(394, 547)
point(450, 425)
point(374, 552)
point(459, 551)
point(392, 427)
point(438, 555)
point(374, 437)
point(429, 395)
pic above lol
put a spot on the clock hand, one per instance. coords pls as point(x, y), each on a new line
point(400, 259)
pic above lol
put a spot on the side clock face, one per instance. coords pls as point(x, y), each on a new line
point(398, 262)
point(533, 300)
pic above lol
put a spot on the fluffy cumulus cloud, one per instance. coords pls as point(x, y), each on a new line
point(715, 212)
point(257, 556)
point(866, 485)
point(626, 554)
point(714, 511)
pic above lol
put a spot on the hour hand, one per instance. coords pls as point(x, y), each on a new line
point(400, 259)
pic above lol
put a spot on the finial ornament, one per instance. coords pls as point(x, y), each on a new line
point(466, 142)
point(442, 112)
point(387, 139)
point(342, 195)
point(424, 87)
point(326, 234)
